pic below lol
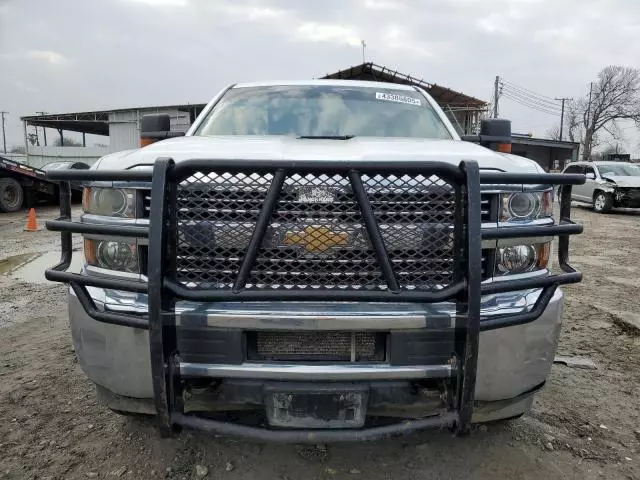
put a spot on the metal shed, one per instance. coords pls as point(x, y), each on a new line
point(550, 154)
point(121, 126)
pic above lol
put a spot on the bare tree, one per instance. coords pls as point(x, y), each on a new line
point(553, 133)
point(615, 96)
point(572, 122)
point(572, 128)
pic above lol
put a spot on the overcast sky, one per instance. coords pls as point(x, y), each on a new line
point(78, 55)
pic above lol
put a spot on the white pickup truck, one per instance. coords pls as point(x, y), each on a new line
point(324, 260)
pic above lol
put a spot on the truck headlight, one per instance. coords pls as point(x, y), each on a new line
point(526, 206)
point(522, 258)
point(110, 202)
point(116, 255)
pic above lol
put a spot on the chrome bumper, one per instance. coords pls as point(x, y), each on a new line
point(511, 360)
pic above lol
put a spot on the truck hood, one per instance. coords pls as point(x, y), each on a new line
point(291, 148)
point(624, 181)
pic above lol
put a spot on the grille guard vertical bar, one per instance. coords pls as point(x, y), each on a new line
point(66, 240)
point(259, 230)
point(65, 237)
point(473, 247)
point(563, 240)
point(159, 224)
point(374, 231)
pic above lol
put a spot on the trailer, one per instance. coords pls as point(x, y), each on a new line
point(22, 184)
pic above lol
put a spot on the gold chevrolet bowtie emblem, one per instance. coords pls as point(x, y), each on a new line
point(317, 239)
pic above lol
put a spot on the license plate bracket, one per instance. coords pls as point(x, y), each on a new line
point(314, 406)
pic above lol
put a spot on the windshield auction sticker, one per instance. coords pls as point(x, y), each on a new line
point(394, 97)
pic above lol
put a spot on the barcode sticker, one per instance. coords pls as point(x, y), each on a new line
point(394, 97)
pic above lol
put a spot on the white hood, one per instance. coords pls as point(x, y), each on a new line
point(291, 148)
point(625, 181)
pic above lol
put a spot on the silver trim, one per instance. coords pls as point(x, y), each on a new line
point(119, 221)
point(261, 314)
point(527, 223)
point(314, 372)
point(518, 276)
point(105, 272)
point(505, 242)
point(312, 322)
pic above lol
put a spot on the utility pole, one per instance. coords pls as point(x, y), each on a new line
point(364, 45)
point(496, 95)
point(587, 133)
point(4, 139)
point(562, 114)
point(44, 130)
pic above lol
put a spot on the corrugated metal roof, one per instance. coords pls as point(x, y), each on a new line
point(442, 95)
point(97, 122)
point(543, 142)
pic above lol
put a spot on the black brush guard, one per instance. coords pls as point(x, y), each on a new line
point(164, 290)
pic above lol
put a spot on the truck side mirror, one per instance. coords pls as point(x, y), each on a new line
point(495, 134)
point(154, 127)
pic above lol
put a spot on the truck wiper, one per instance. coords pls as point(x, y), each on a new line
point(327, 137)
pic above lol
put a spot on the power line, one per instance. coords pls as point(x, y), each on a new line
point(529, 91)
point(521, 99)
point(533, 96)
point(530, 96)
point(532, 102)
point(531, 99)
point(541, 101)
point(531, 105)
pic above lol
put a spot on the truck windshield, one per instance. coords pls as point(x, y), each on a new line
point(324, 111)
point(619, 170)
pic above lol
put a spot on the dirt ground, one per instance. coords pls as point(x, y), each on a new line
point(585, 424)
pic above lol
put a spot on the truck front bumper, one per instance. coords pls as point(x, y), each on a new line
point(512, 362)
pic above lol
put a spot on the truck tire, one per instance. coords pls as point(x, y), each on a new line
point(11, 195)
point(602, 202)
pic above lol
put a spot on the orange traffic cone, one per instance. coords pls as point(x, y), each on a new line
point(32, 224)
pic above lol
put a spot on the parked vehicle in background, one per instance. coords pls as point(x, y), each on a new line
point(608, 185)
point(20, 183)
point(328, 255)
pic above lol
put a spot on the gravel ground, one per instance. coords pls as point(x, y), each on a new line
point(585, 424)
